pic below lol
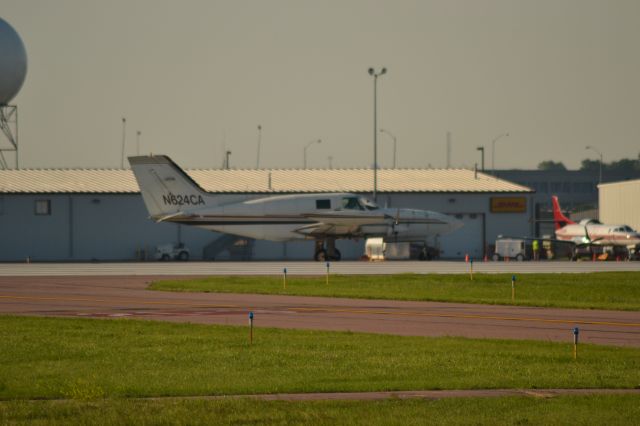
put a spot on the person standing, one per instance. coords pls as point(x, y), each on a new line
point(536, 247)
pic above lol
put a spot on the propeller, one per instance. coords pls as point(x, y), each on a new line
point(589, 241)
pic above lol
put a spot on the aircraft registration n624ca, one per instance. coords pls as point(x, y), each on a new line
point(171, 195)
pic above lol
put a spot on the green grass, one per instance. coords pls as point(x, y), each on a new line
point(610, 290)
point(586, 410)
point(89, 359)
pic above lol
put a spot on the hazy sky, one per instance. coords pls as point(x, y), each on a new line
point(193, 76)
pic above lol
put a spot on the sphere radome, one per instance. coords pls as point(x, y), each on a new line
point(13, 62)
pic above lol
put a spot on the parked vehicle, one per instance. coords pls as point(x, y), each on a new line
point(512, 248)
point(167, 252)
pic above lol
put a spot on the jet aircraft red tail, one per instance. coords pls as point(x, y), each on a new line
point(559, 219)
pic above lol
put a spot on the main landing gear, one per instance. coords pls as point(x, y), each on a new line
point(330, 252)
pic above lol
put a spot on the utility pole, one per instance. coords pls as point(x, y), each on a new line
point(375, 74)
point(304, 151)
point(481, 149)
point(259, 141)
point(493, 150)
point(226, 161)
point(448, 150)
point(124, 135)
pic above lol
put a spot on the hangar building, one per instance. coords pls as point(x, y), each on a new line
point(620, 203)
point(99, 215)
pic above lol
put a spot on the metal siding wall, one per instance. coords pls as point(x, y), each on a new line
point(114, 226)
point(620, 203)
point(25, 234)
point(466, 240)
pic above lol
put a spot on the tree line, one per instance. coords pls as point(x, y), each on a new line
point(625, 166)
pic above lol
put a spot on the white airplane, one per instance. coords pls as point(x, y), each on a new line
point(586, 234)
point(172, 196)
point(591, 232)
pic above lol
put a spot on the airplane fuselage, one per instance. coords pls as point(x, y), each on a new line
point(312, 216)
point(599, 234)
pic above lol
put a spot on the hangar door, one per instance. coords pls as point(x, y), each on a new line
point(466, 240)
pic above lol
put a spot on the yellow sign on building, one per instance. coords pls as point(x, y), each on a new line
point(508, 205)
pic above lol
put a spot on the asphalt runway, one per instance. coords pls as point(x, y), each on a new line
point(305, 268)
point(126, 297)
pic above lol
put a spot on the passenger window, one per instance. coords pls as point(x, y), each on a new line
point(323, 204)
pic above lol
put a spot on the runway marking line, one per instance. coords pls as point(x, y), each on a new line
point(351, 311)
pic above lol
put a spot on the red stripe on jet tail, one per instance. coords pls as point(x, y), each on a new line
point(559, 219)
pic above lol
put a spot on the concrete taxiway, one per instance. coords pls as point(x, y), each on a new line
point(305, 268)
point(126, 296)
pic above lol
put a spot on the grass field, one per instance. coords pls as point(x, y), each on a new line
point(610, 290)
point(588, 410)
point(87, 359)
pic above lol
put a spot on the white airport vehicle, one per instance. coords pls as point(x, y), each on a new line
point(511, 248)
point(172, 252)
point(170, 195)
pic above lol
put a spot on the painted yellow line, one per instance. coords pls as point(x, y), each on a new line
point(143, 302)
point(466, 316)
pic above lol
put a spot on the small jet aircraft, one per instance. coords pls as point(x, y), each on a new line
point(171, 195)
point(589, 233)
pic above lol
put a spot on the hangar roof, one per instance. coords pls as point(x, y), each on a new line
point(96, 181)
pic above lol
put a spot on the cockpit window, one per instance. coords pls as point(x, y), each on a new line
point(351, 203)
point(355, 203)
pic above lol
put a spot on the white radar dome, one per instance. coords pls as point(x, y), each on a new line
point(13, 62)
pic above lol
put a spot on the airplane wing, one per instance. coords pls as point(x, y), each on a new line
point(348, 219)
point(346, 223)
point(341, 223)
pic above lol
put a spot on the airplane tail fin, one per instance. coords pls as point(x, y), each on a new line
point(166, 189)
point(559, 218)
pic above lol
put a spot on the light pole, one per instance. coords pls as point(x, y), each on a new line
point(493, 150)
point(330, 158)
point(375, 74)
point(259, 140)
point(394, 144)
point(138, 133)
point(600, 154)
point(307, 147)
point(226, 161)
point(481, 149)
point(124, 135)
